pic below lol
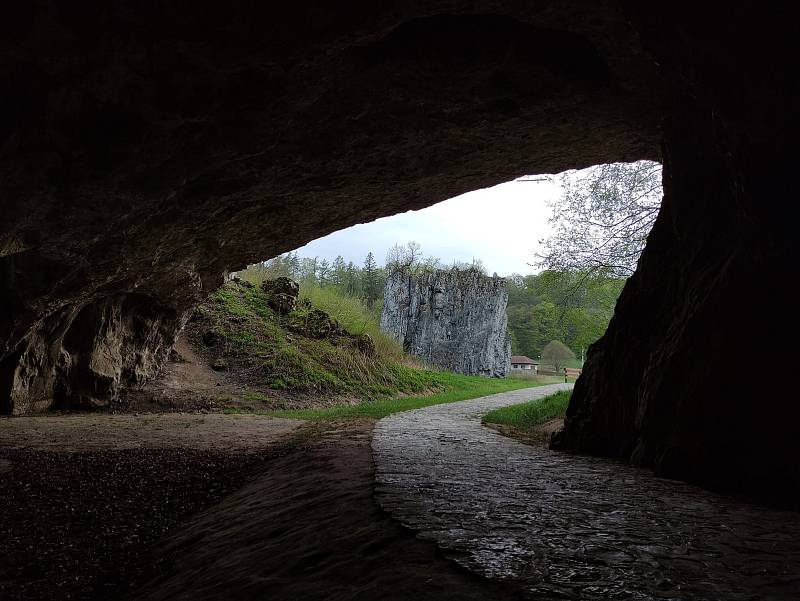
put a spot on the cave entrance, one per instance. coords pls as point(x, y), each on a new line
point(515, 281)
point(563, 244)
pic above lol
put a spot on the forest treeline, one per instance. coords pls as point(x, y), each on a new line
point(564, 306)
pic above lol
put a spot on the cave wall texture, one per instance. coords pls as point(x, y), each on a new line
point(148, 147)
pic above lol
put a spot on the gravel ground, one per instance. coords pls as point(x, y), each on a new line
point(77, 512)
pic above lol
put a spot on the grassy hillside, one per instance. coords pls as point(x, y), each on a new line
point(351, 313)
point(290, 360)
point(306, 364)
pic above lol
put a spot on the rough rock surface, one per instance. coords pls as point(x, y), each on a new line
point(579, 528)
point(667, 385)
point(282, 294)
point(146, 148)
point(90, 353)
point(454, 319)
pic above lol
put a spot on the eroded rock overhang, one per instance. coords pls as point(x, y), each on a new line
point(147, 148)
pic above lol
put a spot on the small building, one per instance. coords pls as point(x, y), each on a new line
point(521, 362)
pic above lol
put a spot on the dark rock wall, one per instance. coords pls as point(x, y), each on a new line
point(147, 147)
point(79, 359)
point(453, 319)
point(695, 374)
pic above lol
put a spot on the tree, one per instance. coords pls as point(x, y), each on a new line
point(405, 257)
point(370, 281)
point(557, 354)
point(602, 220)
point(308, 270)
point(339, 272)
point(352, 281)
point(323, 273)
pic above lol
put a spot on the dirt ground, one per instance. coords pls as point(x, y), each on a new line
point(176, 506)
point(539, 436)
point(307, 528)
point(92, 432)
point(186, 383)
point(82, 495)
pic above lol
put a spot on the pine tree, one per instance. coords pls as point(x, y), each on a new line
point(369, 277)
point(339, 272)
point(323, 273)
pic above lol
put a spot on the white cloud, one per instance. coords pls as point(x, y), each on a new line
point(501, 225)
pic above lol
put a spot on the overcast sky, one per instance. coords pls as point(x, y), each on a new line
point(501, 226)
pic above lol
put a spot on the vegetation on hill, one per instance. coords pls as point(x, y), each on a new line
point(285, 360)
point(525, 417)
point(306, 363)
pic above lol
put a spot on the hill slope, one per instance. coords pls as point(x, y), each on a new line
point(247, 349)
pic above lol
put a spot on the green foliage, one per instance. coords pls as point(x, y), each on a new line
point(526, 416)
point(245, 334)
point(371, 281)
point(353, 315)
point(602, 219)
point(569, 307)
point(454, 387)
point(364, 284)
point(556, 353)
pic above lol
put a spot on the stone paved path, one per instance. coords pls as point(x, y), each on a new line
point(570, 527)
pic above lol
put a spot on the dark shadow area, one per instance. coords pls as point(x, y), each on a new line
point(146, 149)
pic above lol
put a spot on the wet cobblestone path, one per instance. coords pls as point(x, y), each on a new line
point(571, 527)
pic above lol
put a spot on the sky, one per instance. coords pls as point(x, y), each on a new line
point(501, 226)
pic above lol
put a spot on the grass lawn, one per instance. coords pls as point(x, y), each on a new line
point(526, 416)
point(455, 387)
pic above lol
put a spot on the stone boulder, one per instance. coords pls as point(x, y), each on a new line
point(281, 294)
point(317, 324)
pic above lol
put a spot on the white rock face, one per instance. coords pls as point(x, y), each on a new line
point(453, 319)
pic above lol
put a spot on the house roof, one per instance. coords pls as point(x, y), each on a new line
point(523, 360)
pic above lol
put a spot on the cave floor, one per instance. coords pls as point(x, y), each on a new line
point(573, 527)
point(170, 506)
point(196, 506)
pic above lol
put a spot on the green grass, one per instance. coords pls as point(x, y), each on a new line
point(455, 388)
point(287, 368)
point(545, 378)
point(526, 416)
point(354, 317)
point(270, 348)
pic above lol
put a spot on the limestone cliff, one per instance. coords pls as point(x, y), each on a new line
point(453, 319)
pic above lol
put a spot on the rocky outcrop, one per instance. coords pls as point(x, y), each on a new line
point(281, 294)
point(453, 319)
point(80, 359)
